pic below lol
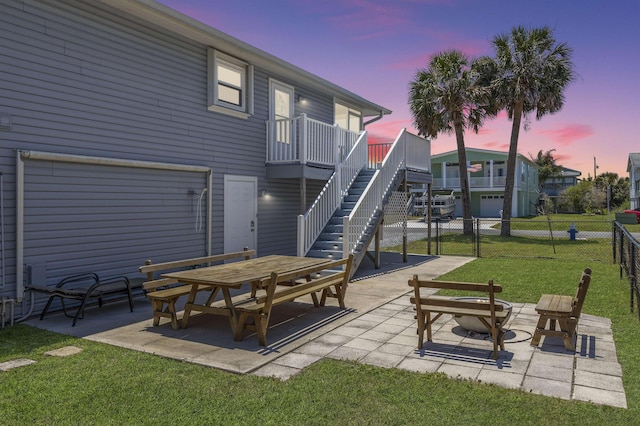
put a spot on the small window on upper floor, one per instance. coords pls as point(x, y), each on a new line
point(230, 85)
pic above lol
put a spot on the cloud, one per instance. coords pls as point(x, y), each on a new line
point(387, 130)
point(496, 146)
point(568, 134)
point(440, 42)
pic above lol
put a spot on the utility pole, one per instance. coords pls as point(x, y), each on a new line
point(595, 166)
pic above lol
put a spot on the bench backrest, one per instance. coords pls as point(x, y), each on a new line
point(150, 269)
point(581, 293)
point(342, 273)
point(490, 288)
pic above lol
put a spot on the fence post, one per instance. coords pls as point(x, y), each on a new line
point(478, 237)
point(437, 237)
point(614, 238)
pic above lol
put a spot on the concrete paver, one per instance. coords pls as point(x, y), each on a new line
point(378, 328)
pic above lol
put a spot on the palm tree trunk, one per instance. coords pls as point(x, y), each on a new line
point(467, 221)
point(505, 229)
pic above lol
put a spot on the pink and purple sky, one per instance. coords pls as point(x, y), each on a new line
point(375, 47)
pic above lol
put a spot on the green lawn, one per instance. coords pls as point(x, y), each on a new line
point(112, 385)
point(561, 222)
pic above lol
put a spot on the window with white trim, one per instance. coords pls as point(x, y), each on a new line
point(230, 85)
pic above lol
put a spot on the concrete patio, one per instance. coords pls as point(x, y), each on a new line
point(378, 328)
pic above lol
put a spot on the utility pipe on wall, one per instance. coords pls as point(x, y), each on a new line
point(21, 156)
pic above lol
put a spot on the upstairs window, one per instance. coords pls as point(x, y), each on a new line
point(347, 118)
point(230, 85)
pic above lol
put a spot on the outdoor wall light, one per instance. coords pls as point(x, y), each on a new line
point(301, 99)
point(264, 193)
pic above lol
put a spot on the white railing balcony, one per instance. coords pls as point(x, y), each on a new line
point(302, 140)
point(474, 182)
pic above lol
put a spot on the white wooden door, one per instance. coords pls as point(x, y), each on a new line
point(240, 212)
point(281, 109)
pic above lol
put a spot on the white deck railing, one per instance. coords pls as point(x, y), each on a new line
point(304, 140)
point(311, 224)
point(497, 182)
point(370, 203)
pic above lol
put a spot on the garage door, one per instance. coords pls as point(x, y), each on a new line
point(110, 219)
point(490, 205)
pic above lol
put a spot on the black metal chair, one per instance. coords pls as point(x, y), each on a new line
point(83, 287)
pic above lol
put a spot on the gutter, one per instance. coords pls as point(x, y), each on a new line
point(373, 120)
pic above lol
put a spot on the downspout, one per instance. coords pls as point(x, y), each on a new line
point(19, 226)
point(373, 120)
point(209, 209)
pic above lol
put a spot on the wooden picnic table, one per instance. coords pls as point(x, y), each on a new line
point(231, 276)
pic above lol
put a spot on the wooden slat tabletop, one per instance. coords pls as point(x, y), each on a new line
point(236, 273)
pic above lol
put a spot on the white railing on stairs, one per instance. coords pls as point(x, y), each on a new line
point(305, 140)
point(407, 150)
point(311, 224)
point(355, 225)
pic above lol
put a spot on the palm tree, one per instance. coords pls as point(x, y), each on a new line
point(532, 73)
point(448, 97)
point(547, 167)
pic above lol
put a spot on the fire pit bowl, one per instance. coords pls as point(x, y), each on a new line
point(473, 323)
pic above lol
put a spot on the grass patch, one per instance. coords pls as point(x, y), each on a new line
point(457, 244)
point(111, 385)
point(561, 222)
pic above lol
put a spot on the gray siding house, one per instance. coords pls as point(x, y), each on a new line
point(129, 131)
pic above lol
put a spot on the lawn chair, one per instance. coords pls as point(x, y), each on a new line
point(565, 310)
point(83, 287)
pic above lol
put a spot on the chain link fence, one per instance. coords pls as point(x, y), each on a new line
point(626, 252)
point(569, 240)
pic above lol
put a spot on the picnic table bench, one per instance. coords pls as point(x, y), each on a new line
point(429, 308)
point(330, 279)
point(165, 292)
point(565, 310)
point(275, 279)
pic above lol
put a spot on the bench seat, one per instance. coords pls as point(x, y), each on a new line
point(165, 292)
point(332, 282)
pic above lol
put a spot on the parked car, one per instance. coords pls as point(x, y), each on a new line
point(634, 211)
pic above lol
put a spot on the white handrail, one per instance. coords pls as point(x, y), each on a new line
point(311, 224)
point(305, 140)
point(370, 204)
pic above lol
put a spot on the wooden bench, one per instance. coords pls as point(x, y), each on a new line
point(565, 310)
point(330, 279)
point(164, 292)
point(429, 308)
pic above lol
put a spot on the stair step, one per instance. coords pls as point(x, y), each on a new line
point(325, 254)
point(327, 245)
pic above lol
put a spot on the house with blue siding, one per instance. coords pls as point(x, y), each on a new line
point(129, 131)
point(487, 171)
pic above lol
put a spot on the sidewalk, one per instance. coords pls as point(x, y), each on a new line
point(378, 328)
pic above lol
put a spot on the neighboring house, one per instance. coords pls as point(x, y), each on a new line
point(487, 176)
point(554, 186)
point(633, 168)
point(129, 131)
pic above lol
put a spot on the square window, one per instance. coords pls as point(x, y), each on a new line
point(230, 85)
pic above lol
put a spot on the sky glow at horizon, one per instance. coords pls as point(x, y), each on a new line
point(374, 48)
